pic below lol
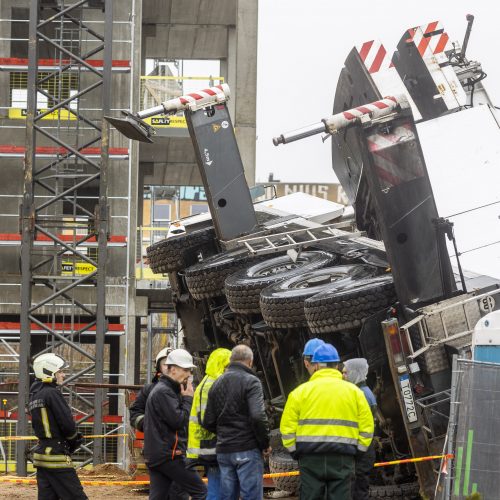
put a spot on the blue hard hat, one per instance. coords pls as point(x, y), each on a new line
point(311, 346)
point(325, 353)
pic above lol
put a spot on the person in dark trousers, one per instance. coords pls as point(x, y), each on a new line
point(56, 430)
point(326, 421)
point(165, 430)
point(201, 443)
point(138, 409)
point(355, 371)
point(236, 414)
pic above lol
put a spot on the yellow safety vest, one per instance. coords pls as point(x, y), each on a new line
point(326, 415)
point(201, 443)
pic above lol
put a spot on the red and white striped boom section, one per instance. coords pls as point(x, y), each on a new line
point(193, 101)
point(334, 123)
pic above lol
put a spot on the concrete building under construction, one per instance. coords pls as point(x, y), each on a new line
point(80, 203)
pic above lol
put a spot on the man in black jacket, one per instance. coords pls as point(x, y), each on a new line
point(236, 413)
point(138, 407)
point(165, 430)
point(56, 430)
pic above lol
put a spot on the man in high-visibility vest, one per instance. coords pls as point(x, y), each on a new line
point(325, 423)
point(201, 443)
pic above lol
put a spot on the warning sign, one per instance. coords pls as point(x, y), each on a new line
point(167, 121)
point(76, 268)
point(20, 114)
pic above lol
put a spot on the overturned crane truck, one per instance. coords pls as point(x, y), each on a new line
point(381, 286)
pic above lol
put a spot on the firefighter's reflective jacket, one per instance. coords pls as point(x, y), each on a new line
point(201, 443)
point(53, 425)
point(326, 415)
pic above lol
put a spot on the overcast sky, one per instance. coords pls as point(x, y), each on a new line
point(302, 47)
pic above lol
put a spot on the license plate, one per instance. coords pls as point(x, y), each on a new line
point(409, 402)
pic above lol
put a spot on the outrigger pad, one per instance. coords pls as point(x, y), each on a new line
point(132, 127)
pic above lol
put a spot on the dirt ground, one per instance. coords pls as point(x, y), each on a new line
point(105, 472)
point(28, 492)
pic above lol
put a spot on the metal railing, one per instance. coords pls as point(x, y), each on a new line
point(445, 317)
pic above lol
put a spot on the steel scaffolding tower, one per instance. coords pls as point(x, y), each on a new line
point(63, 178)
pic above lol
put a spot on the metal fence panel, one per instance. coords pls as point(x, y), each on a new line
point(476, 440)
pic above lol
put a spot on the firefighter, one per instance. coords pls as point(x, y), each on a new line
point(355, 371)
point(56, 430)
point(201, 443)
point(309, 348)
point(325, 423)
point(165, 429)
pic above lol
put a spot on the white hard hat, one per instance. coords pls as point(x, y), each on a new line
point(46, 365)
point(180, 357)
point(162, 354)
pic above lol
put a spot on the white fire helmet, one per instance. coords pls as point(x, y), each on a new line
point(46, 365)
point(162, 354)
point(180, 357)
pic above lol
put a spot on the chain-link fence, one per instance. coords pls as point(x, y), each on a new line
point(473, 435)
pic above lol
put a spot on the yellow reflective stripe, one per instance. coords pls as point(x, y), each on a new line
point(52, 465)
point(51, 458)
point(288, 436)
point(362, 448)
point(45, 422)
point(328, 421)
point(193, 418)
point(290, 448)
point(48, 450)
point(327, 439)
point(368, 435)
point(201, 451)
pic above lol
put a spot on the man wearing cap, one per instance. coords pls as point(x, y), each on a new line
point(325, 423)
point(165, 430)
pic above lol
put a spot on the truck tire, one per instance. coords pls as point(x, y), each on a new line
point(171, 254)
point(282, 304)
point(346, 304)
point(243, 288)
point(407, 491)
point(206, 279)
point(281, 461)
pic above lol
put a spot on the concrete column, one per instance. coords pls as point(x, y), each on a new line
point(128, 344)
point(242, 76)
